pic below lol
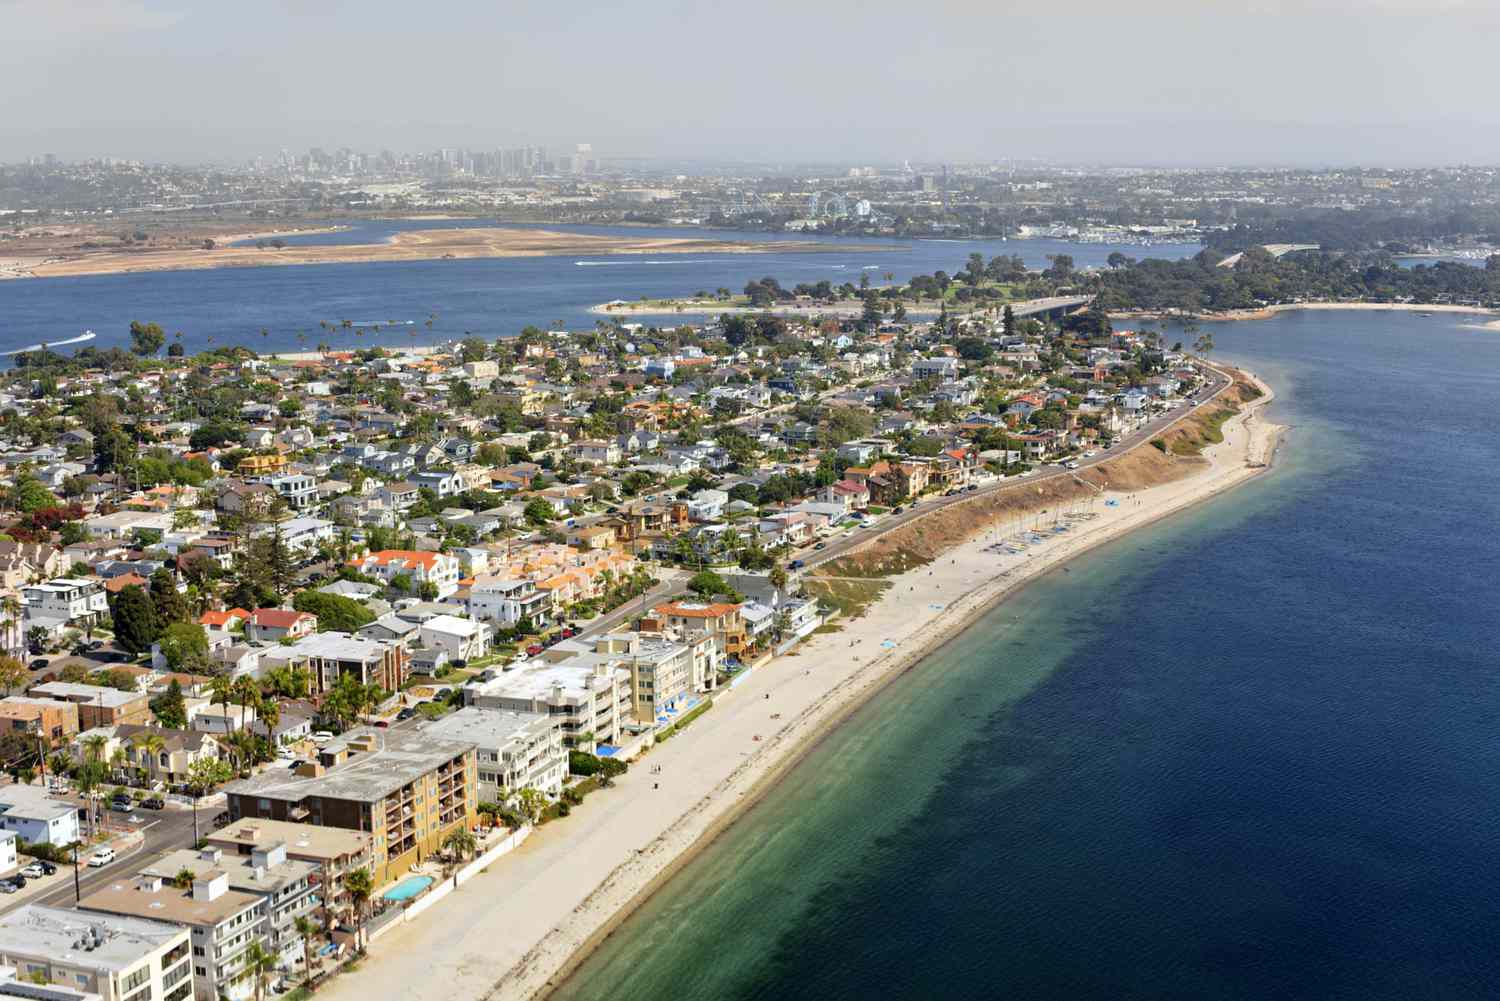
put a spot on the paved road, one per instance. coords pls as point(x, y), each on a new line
point(833, 550)
point(164, 831)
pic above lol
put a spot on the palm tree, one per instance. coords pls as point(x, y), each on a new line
point(308, 929)
point(460, 843)
point(149, 745)
point(259, 964)
point(221, 692)
point(530, 802)
point(184, 879)
point(360, 885)
point(247, 693)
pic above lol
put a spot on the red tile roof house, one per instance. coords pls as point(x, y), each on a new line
point(272, 625)
point(223, 620)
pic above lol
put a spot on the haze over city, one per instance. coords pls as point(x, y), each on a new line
point(1165, 81)
point(773, 501)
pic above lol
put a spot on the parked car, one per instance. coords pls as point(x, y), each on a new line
point(122, 805)
point(405, 714)
point(796, 565)
point(7, 887)
point(534, 650)
point(821, 545)
point(38, 869)
point(382, 724)
point(154, 803)
point(101, 858)
point(40, 665)
point(322, 736)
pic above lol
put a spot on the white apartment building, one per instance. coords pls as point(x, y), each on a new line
point(439, 569)
point(506, 602)
point(65, 603)
point(583, 697)
point(106, 955)
point(222, 923)
point(515, 750)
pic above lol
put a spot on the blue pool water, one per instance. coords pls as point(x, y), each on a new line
point(408, 888)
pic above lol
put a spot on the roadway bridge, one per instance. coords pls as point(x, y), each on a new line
point(1055, 305)
point(1274, 249)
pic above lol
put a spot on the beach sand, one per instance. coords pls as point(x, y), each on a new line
point(1266, 312)
point(515, 930)
point(410, 245)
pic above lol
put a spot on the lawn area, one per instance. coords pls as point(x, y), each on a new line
point(852, 598)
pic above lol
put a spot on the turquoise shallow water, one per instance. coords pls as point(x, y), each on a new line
point(1246, 753)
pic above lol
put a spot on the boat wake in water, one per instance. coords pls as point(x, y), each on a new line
point(87, 335)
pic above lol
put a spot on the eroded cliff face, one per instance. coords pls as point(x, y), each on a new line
point(924, 539)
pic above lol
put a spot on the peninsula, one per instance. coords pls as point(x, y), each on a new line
point(412, 245)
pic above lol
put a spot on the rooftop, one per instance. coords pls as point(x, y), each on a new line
point(96, 695)
point(242, 870)
point(485, 727)
point(58, 934)
point(160, 901)
point(301, 840)
point(398, 758)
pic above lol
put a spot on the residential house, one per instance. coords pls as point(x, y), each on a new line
point(272, 625)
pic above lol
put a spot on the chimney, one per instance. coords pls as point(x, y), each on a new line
point(212, 885)
point(211, 855)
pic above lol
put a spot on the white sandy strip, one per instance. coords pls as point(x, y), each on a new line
point(511, 931)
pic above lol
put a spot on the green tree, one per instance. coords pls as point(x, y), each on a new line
point(185, 647)
point(706, 584)
point(307, 930)
point(169, 603)
point(170, 708)
point(134, 616)
point(334, 611)
point(13, 673)
point(359, 884)
point(146, 339)
point(539, 512)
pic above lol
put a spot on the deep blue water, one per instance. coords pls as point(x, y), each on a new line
point(1249, 753)
point(489, 298)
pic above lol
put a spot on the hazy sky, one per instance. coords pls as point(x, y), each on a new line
point(1165, 81)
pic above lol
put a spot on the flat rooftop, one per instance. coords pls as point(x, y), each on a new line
point(485, 727)
point(127, 896)
point(241, 869)
point(574, 676)
point(301, 840)
point(399, 757)
point(56, 933)
point(85, 695)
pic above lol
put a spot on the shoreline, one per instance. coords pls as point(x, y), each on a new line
point(980, 602)
point(1267, 312)
point(413, 245)
point(573, 884)
point(704, 308)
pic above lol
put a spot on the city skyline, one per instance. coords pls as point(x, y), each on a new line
point(1343, 82)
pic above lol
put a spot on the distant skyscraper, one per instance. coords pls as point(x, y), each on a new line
point(583, 158)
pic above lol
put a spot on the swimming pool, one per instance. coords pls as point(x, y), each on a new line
point(408, 888)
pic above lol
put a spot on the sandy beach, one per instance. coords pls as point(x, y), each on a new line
point(700, 307)
point(1267, 312)
point(514, 931)
point(410, 245)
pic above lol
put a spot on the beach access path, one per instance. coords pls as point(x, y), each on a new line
point(513, 931)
